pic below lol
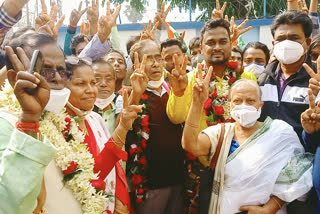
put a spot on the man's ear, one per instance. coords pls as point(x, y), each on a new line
point(12, 77)
point(261, 104)
point(308, 41)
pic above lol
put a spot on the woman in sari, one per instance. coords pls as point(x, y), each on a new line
point(98, 164)
point(261, 166)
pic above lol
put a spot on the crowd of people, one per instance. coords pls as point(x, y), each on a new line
point(165, 128)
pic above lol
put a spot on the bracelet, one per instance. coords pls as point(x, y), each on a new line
point(24, 126)
point(192, 125)
point(121, 141)
point(124, 126)
point(277, 202)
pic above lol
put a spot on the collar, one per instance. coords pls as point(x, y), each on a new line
point(163, 91)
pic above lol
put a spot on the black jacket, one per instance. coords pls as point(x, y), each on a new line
point(294, 100)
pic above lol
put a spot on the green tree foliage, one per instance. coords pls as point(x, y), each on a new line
point(137, 4)
point(240, 9)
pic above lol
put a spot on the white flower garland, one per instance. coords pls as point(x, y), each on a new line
point(52, 125)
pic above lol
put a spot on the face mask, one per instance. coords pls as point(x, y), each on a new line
point(246, 115)
point(196, 59)
point(155, 84)
point(103, 103)
point(254, 68)
point(288, 52)
point(57, 100)
point(77, 111)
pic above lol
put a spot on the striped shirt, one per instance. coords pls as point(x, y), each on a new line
point(6, 22)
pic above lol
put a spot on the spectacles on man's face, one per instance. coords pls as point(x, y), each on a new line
point(49, 74)
point(152, 59)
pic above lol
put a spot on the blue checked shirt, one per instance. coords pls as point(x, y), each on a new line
point(6, 22)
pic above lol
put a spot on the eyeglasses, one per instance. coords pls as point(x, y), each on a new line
point(49, 74)
point(153, 59)
point(73, 60)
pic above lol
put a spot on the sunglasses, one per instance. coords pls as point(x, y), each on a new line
point(49, 74)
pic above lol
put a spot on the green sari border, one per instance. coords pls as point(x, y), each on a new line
point(262, 129)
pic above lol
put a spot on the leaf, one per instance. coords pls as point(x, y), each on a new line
point(71, 175)
point(78, 119)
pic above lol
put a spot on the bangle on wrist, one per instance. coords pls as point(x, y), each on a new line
point(277, 202)
point(124, 126)
point(121, 141)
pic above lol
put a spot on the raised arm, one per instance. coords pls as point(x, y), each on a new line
point(25, 157)
point(192, 141)
point(10, 13)
point(112, 151)
point(46, 23)
point(292, 5)
point(71, 31)
point(99, 45)
point(313, 14)
point(139, 80)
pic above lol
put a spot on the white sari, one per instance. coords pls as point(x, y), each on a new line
point(270, 162)
point(60, 199)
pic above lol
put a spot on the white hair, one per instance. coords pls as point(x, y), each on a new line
point(242, 81)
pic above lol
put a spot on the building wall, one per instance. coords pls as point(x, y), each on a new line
point(260, 32)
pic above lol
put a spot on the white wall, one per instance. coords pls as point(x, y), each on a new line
point(266, 36)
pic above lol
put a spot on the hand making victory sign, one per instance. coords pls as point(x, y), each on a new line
point(161, 16)
point(139, 79)
point(314, 82)
point(147, 33)
point(178, 77)
point(218, 12)
point(200, 91)
point(310, 119)
point(76, 15)
point(107, 22)
point(45, 23)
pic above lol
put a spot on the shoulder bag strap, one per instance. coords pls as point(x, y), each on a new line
point(215, 157)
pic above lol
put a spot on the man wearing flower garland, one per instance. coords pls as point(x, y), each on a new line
point(23, 157)
point(155, 167)
point(216, 43)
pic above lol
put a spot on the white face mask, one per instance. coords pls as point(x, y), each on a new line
point(288, 52)
point(155, 84)
point(77, 111)
point(246, 115)
point(103, 103)
point(57, 100)
point(254, 68)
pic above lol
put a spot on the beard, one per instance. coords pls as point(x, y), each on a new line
point(216, 60)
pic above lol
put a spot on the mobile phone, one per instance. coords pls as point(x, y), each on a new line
point(35, 66)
